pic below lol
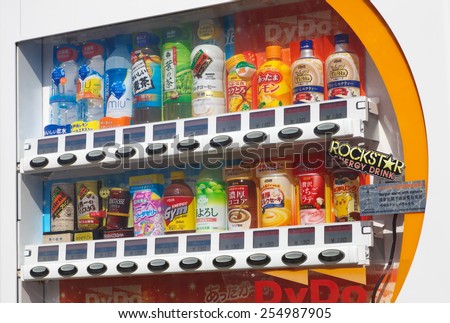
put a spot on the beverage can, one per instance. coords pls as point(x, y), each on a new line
point(87, 203)
point(346, 195)
point(314, 200)
point(148, 210)
point(62, 207)
point(118, 208)
point(277, 195)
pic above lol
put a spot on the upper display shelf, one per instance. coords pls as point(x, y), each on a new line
point(353, 119)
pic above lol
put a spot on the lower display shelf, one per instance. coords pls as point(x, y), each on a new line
point(337, 244)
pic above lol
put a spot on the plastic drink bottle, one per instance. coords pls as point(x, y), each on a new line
point(177, 75)
point(342, 69)
point(90, 85)
point(307, 75)
point(146, 78)
point(118, 89)
point(63, 106)
point(274, 80)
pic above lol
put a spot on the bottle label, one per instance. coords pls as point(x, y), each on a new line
point(177, 74)
point(312, 199)
point(146, 79)
point(240, 87)
point(346, 198)
point(307, 80)
point(148, 212)
point(211, 206)
point(62, 208)
point(343, 75)
point(89, 84)
point(87, 203)
point(118, 93)
point(274, 86)
point(239, 217)
point(179, 213)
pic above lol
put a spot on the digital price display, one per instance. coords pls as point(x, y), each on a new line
point(198, 243)
point(164, 131)
point(262, 119)
point(48, 253)
point(297, 115)
point(338, 233)
point(231, 241)
point(75, 142)
point(228, 123)
point(196, 127)
point(47, 146)
point(105, 249)
point(333, 110)
point(265, 239)
point(166, 245)
point(76, 251)
point(132, 135)
point(104, 138)
point(301, 236)
point(135, 247)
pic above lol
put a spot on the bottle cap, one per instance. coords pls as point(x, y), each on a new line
point(341, 39)
point(306, 44)
point(144, 39)
point(177, 175)
point(122, 39)
point(234, 60)
point(273, 51)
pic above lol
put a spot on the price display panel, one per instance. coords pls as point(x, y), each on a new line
point(228, 123)
point(166, 245)
point(135, 247)
point(48, 253)
point(105, 249)
point(231, 241)
point(76, 142)
point(262, 119)
point(198, 243)
point(196, 127)
point(301, 236)
point(266, 239)
point(164, 131)
point(104, 138)
point(47, 146)
point(133, 135)
point(76, 251)
point(333, 110)
point(297, 115)
point(338, 233)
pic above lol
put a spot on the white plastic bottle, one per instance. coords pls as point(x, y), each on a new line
point(208, 97)
point(90, 88)
point(118, 88)
point(307, 75)
point(342, 70)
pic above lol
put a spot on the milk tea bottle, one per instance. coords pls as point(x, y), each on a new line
point(342, 70)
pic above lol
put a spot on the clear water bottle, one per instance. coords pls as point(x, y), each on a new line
point(90, 86)
point(118, 87)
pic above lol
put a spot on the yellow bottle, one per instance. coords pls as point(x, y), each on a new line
point(274, 80)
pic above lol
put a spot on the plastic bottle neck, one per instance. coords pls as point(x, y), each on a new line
point(306, 53)
point(343, 47)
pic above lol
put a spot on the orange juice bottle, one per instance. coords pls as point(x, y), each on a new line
point(274, 80)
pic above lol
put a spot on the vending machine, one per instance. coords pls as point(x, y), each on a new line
point(223, 151)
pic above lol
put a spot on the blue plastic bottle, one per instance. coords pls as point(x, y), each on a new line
point(118, 87)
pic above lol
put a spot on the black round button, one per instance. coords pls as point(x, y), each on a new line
point(125, 152)
point(96, 268)
point(255, 137)
point(258, 260)
point(324, 128)
point(67, 159)
point(294, 258)
point(220, 141)
point(127, 267)
point(188, 144)
point(331, 255)
point(67, 270)
point(39, 272)
point(156, 149)
point(190, 263)
point(222, 262)
point(38, 162)
point(158, 265)
point(95, 155)
point(290, 133)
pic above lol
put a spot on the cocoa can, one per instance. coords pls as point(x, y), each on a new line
point(87, 203)
point(62, 207)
